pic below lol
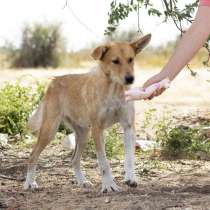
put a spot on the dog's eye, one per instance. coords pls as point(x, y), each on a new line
point(130, 60)
point(116, 61)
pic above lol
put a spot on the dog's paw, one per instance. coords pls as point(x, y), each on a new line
point(110, 186)
point(131, 183)
point(33, 185)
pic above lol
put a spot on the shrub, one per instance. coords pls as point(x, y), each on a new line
point(179, 140)
point(176, 139)
point(41, 46)
point(16, 103)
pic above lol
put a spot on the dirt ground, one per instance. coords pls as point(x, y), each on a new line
point(174, 185)
point(180, 184)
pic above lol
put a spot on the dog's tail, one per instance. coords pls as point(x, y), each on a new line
point(35, 120)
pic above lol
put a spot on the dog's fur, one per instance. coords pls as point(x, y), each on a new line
point(95, 101)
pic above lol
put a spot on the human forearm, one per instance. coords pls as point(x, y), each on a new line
point(190, 43)
point(187, 47)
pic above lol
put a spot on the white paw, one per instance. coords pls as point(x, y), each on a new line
point(110, 186)
point(131, 183)
point(130, 180)
point(33, 185)
point(81, 180)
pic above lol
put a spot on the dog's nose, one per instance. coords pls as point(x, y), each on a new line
point(129, 79)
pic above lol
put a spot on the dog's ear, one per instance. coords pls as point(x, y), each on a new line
point(99, 52)
point(140, 44)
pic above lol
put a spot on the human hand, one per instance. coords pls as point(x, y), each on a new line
point(155, 79)
point(138, 93)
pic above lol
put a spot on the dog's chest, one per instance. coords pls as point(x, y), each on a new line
point(111, 111)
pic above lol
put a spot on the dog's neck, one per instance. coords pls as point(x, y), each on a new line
point(114, 89)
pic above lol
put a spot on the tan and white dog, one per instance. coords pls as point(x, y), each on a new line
point(94, 100)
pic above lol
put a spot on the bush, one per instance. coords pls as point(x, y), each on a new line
point(176, 140)
point(41, 46)
point(16, 103)
point(179, 140)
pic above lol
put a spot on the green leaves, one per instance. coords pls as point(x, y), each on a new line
point(120, 11)
point(16, 103)
point(170, 11)
point(154, 12)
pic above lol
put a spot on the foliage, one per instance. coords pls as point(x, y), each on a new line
point(178, 140)
point(113, 144)
point(41, 46)
point(120, 11)
point(16, 103)
point(170, 11)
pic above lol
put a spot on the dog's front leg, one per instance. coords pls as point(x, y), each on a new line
point(127, 122)
point(108, 183)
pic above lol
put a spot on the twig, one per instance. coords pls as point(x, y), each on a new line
point(11, 178)
point(66, 4)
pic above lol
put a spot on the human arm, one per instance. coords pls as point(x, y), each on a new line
point(187, 47)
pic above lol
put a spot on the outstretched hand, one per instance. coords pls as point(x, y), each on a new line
point(151, 89)
point(158, 91)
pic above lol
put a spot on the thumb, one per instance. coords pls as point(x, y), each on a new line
point(151, 81)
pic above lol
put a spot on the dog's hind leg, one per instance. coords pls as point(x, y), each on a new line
point(108, 183)
point(35, 120)
point(50, 123)
point(80, 139)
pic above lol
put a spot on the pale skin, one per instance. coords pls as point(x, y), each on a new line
point(187, 47)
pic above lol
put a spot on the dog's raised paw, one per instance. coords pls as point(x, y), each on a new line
point(131, 183)
point(33, 185)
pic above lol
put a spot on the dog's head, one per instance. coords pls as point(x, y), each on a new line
point(117, 59)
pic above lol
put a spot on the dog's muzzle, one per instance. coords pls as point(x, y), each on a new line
point(129, 79)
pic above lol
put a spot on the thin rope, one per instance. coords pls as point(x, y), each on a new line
point(79, 20)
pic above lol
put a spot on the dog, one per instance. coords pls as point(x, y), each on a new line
point(91, 101)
